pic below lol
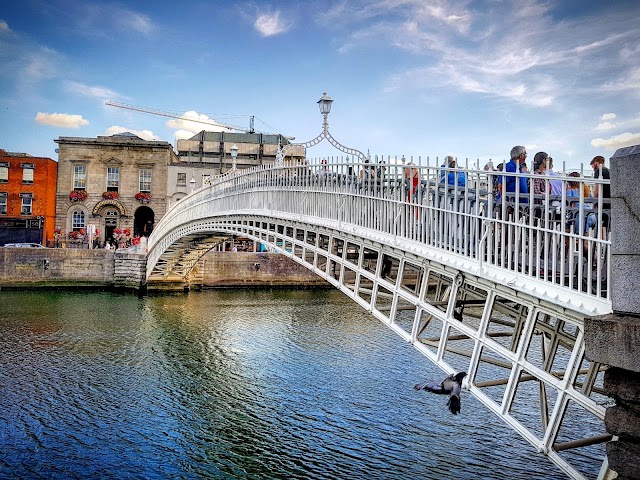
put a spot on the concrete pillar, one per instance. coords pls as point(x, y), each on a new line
point(614, 339)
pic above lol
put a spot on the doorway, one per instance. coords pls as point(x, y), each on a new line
point(110, 224)
point(143, 221)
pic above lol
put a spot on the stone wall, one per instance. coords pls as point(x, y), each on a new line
point(125, 269)
point(614, 339)
point(52, 267)
point(247, 268)
point(130, 270)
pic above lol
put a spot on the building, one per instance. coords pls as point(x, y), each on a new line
point(27, 198)
point(114, 183)
point(254, 149)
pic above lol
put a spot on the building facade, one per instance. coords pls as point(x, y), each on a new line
point(27, 198)
point(254, 149)
point(114, 184)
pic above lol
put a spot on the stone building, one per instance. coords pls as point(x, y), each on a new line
point(111, 182)
point(27, 198)
point(214, 149)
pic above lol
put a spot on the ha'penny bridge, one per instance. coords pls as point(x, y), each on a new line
point(496, 287)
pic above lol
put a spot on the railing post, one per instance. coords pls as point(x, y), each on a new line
point(614, 339)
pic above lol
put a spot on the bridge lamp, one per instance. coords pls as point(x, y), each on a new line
point(325, 107)
point(192, 183)
point(234, 155)
point(325, 104)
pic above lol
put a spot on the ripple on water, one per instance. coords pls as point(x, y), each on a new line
point(230, 384)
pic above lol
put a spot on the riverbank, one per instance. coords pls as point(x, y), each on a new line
point(59, 268)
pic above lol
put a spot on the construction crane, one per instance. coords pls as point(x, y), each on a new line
point(164, 113)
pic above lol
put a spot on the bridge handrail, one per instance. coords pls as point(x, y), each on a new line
point(558, 239)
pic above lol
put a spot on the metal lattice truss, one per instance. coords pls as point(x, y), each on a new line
point(182, 255)
point(520, 340)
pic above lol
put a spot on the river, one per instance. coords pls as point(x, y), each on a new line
point(246, 384)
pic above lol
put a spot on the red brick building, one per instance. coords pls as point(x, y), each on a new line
point(27, 198)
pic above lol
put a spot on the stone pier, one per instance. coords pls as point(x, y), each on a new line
point(614, 339)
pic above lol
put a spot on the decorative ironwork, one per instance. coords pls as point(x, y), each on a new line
point(325, 134)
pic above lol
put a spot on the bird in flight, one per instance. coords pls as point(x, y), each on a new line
point(451, 385)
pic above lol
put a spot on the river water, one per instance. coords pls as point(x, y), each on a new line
point(267, 384)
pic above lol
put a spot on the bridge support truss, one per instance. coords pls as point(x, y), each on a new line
point(522, 354)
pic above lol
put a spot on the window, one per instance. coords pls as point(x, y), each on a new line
point(27, 175)
point(27, 172)
point(4, 172)
point(3, 203)
point(182, 180)
point(113, 179)
point(26, 205)
point(77, 220)
point(79, 177)
point(145, 180)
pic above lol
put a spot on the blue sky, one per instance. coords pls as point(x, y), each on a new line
point(408, 77)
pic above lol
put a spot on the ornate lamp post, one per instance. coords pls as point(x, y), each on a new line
point(192, 183)
point(325, 107)
point(234, 155)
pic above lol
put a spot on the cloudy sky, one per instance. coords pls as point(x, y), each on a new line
point(409, 77)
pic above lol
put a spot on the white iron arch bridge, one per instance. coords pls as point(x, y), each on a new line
point(494, 285)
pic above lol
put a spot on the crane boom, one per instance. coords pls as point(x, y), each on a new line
point(164, 113)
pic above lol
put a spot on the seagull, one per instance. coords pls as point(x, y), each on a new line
point(451, 385)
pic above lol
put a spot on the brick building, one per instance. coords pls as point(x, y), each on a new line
point(27, 198)
point(111, 182)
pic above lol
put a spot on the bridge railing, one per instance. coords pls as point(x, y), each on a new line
point(553, 229)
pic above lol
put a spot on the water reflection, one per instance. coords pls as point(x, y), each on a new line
point(231, 384)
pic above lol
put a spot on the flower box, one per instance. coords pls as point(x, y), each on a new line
point(110, 195)
point(78, 195)
point(143, 197)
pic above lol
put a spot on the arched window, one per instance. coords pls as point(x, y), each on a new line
point(77, 220)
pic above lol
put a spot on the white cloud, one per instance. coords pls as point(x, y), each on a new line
point(63, 120)
point(195, 122)
point(605, 126)
point(617, 141)
point(92, 91)
point(137, 21)
point(608, 116)
point(183, 134)
point(144, 134)
point(39, 65)
point(271, 24)
point(4, 26)
point(467, 48)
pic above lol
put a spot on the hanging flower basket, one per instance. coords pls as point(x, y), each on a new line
point(110, 195)
point(143, 197)
point(78, 195)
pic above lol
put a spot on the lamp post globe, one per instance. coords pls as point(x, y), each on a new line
point(192, 183)
point(325, 104)
point(234, 155)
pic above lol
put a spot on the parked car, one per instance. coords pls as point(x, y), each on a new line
point(23, 245)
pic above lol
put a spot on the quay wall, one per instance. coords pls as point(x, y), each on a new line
point(229, 269)
point(56, 267)
point(123, 269)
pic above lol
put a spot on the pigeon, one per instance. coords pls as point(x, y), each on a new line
point(451, 385)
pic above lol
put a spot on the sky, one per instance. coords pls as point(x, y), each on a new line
point(419, 78)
